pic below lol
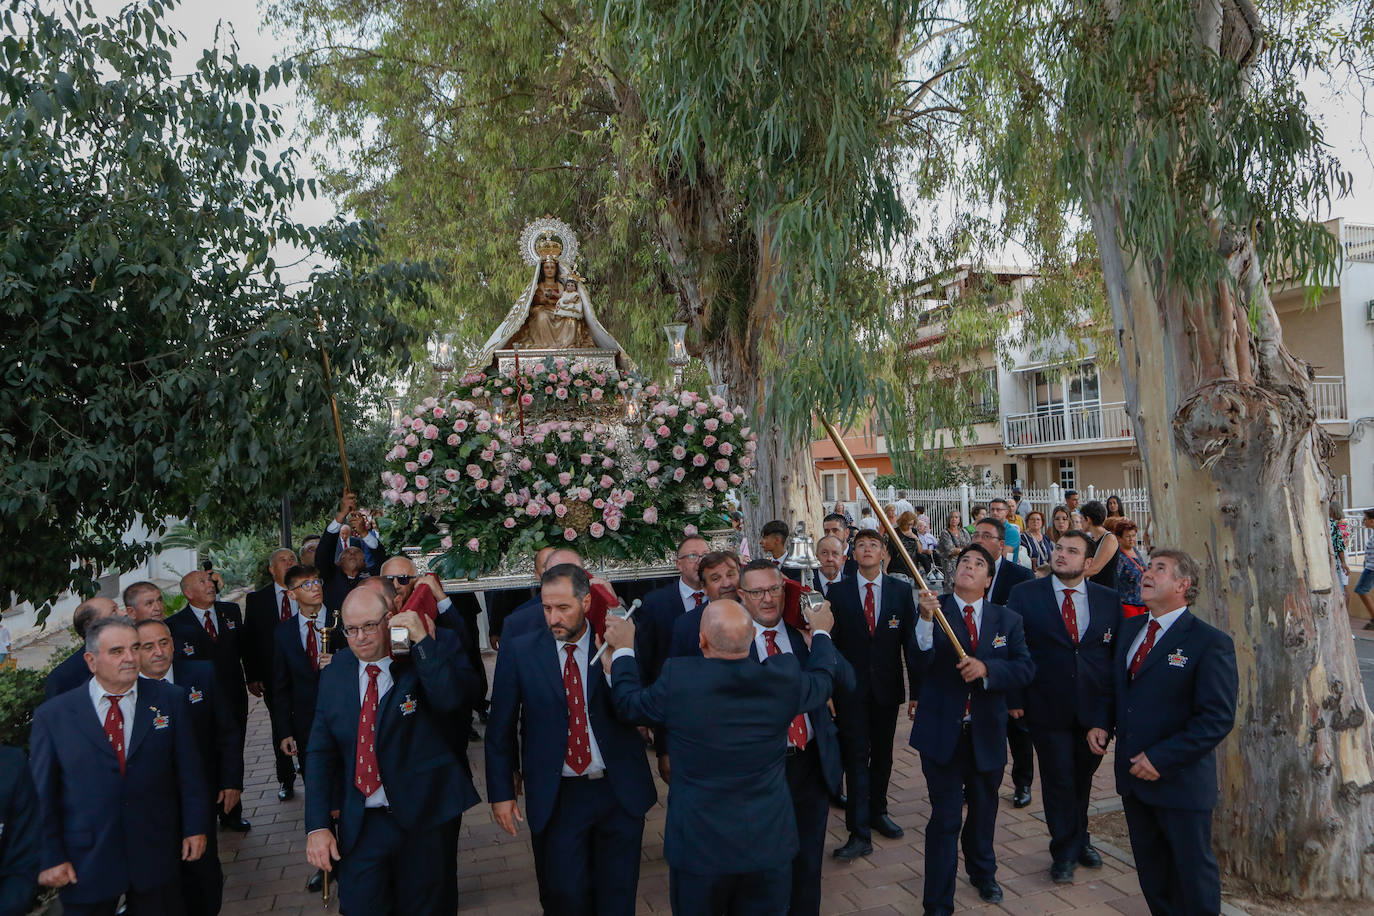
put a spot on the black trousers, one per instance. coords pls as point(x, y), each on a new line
point(1173, 858)
point(164, 900)
point(1067, 766)
point(202, 881)
point(951, 785)
point(587, 855)
point(238, 700)
point(811, 805)
point(392, 870)
point(754, 893)
point(867, 730)
point(285, 763)
point(1022, 752)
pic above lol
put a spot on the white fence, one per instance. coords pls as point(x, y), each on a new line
point(940, 502)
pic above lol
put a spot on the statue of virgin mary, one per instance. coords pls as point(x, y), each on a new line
point(555, 310)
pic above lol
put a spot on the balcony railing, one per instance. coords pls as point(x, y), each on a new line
point(1060, 425)
point(1328, 397)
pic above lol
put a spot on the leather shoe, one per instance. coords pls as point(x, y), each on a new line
point(1090, 857)
point(888, 827)
point(853, 849)
point(316, 883)
point(1062, 872)
point(239, 826)
point(1021, 797)
point(989, 890)
point(286, 792)
point(840, 801)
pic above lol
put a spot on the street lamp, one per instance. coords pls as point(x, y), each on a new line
point(677, 350)
point(441, 354)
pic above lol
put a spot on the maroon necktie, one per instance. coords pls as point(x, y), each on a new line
point(368, 776)
point(697, 598)
point(870, 610)
point(210, 625)
point(285, 606)
point(1070, 615)
point(1139, 658)
point(312, 648)
point(972, 647)
point(114, 728)
point(579, 753)
point(796, 732)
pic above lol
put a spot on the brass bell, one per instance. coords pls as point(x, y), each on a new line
point(802, 554)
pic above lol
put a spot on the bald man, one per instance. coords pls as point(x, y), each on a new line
point(73, 672)
point(731, 834)
point(263, 611)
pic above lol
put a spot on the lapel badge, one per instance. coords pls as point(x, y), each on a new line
point(196, 696)
point(999, 641)
point(408, 706)
point(893, 623)
point(189, 649)
point(160, 719)
point(228, 623)
point(1177, 659)
point(1107, 637)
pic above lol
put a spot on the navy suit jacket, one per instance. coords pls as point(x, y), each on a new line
point(192, 642)
point(944, 695)
point(425, 783)
point(527, 694)
point(877, 659)
point(1073, 684)
point(118, 831)
point(527, 618)
point(826, 735)
point(1180, 706)
point(654, 622)
point(1007, 576)
point(19, 833)
point(218, 737)
point(295, 682)
point(261, 614)
point(686, 632)
point(336, 584)
point(70, 673)
point(729, 806)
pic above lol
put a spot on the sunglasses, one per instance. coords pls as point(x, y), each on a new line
point(399, 580)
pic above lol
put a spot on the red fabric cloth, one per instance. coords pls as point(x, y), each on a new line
point(796, 732)
point(368, 776)
point(791, 604)
point(603, 597)
point(1070, 615)
point(1139, 658)
point(114, 728)
point(1133, 610)
point(423, 602)
point(579, 753)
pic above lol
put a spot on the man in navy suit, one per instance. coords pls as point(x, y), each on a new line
point(73, 671)
point(221, 752)
point(529, 617)
point(731, 833)
point(209, 630)
point(1176, 687)
point(834, 564)
point(1071, 626)
point(121, 788)
point(380, 731)
point(990, 533)
point(585, 776)
point(814, 765)
point(719, 573)
point(960, 725)
point(20, 837)
point(263, 610)
point(341, 576)
point(874, 616)
point(835, 526)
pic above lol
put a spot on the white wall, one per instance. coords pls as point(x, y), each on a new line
point(1357, 289)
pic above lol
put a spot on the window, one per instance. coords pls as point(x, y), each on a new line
point(1135, 475)
point(983, 404)
point(1068, 477)
point(871, 475)
point(834, 487)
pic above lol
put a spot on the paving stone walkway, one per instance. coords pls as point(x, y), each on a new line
point(266, 869)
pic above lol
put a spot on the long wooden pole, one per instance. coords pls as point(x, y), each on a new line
point(890, 529)
point(333, 405)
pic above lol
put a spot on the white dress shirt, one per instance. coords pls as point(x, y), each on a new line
point(1080, 602)
point(127, 705)
point(823, 584)
point(598, 765)
point(925, 629)
point(877, 594)
point(385, 682)
point(1164, 620)
point(785, 645)
point(686, 592)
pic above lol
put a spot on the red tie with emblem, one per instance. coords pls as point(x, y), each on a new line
point(870, 610)
point(796, 732)
point(1070, 614)
point(285, 606)
point(210, 625)
point(114, 728)
point(368, 776)
point(697, 598)
point(312, 648)
point(1139, 658)
point(579, 753)
point(972, 648)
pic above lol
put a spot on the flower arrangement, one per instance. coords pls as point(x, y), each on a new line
point(462, 479)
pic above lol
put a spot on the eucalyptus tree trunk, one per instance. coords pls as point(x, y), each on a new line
point(1237, 469)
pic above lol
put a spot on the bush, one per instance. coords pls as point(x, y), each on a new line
point(242, 560)
point(21, 690)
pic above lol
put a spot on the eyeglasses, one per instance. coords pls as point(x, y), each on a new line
point(399, 580)
point(760, 592)
point(690, 556)
point(307, 583)
point(366, 629)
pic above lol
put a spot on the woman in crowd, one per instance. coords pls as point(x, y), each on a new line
point(1059, 523)
point(1102, 566)
point(1114, 509)
point(953, 539)
point(1034, 542)
point(907, 535)
point(927, 542)
point(977, 512)
point(1130, 566)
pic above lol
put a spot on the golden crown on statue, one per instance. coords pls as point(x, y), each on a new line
point(548, 246)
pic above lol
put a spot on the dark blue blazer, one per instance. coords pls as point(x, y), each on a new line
point(1007, 576)
point(118, 831)
point(654, 623)
point(527, 618)
point(261, 614)
point(944, 695)
point(1180, 706)
point(1073, 684)
point(527, 695)
point(192, 642)
point(295, 682)
point(877, 659)
point(218, 737)
point(686, 633)
point(827, 736)
point(19, 833)
point(729, 806)
point(336, 584)
point(70, 673)
point(425, 783)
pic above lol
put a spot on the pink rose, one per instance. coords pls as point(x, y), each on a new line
point(550, 459)
point(606, 482)
point(663, 431)
point(689, 428)
point(417, 424)
point(589, 437)
point(507, 391)
point(726, 448)
point(650, 442)
point(598, 503)
point(421, 482)
point(679, 453)
point(426, 456)
point(525, 464)
point(597, 394)
point(446, 542)
point(431, 432)
point(729, 417)
point(702, 407)
point(560, 510)
point(398, 482)
point(584, 494)
point(421, 496)
point(451, 475)
point(526, 399)
point(569, 534)
point(473, 471)
point(671, 410)
point(564, 478)
point(652, 466)
point(460, 426)
point(720, 485)
point(474, 544)
point(484, 426)
point(709, 441)
point(699, 460)
point(708, 483)
point(452, 439)
point(509, 523)
point(651, 515)
point(613, 522)
point(532, 509)
point(596, 529)
point(439, 412)
point(554, 497)
point(586, 460)
point(482, 484)
point(608, 463)
point(736, 480)
point(565, 438)
point(411, 440)
point(411, 467)
point(722, 465)
point(689, 531)
point(653, 483)
point(678, 474)
point(561, 393)
point(711, 424)
point(408, 498)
